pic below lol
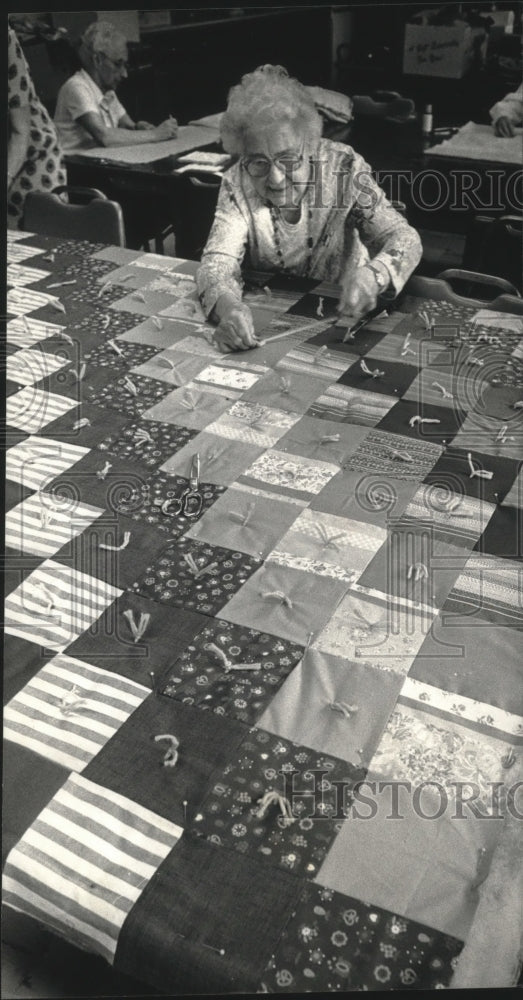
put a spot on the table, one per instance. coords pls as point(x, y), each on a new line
point(207, 720)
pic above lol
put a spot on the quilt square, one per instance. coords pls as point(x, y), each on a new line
point(460, 519)
point(419, 745)
point(206, 743)
point(174, 367)
point(221, 460)
point(328, 546)
point(292, 829)
point(365, 497)
point(128, 394)
point(376, 375)
point(325, 439)
point(40, 784)
point(107, 482)
point(25, 331)
point(186, 308)
point(144, 502)
point(376, 631)
point(69, 710)
point(316, 305)
point(356, 946)
point(55, 604)
point(320, 362)
point(84, 862)
point(503, 535)
point(155, 332)
point(232, 670)
point(31, 409)
point(281, 600)
point(148, 442)
point(245, 522)
point(29, 462)
point(253, 424)
point(118, 356)
point(195, 575)
point(415, 564)
point(290, 476)
point(353, 406)
point(486, 477)
point(333, 705)
point(492, 435)
point(293, 393)
point(489, 588)
point(21, 301)
point(205, 935)
point(41, 526)
point(84, 426)
point(395, 456)
point(437, 424)
point(339, 341)
point(112, 643)
point(458, 656)
point(235, 376)
point(191, 406)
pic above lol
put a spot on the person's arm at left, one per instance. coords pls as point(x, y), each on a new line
point(19, 121)
point(393, 245)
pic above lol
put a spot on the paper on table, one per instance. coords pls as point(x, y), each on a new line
point(212, 120)
point(189, 137)
point(478, 142)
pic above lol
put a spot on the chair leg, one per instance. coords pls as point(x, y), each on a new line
point(158, 243)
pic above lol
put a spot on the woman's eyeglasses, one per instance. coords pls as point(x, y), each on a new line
point(260, 166)
point(117, 63)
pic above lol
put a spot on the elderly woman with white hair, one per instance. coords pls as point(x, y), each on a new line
point(298, 204)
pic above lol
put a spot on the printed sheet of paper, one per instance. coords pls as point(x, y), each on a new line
point(478, 142)
point(189, 137)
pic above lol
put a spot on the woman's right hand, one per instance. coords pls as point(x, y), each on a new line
point(167, 130)
point(235, 331)
point(503, 127)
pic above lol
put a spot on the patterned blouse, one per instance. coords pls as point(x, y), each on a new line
point(43, 168)
point(345, 220)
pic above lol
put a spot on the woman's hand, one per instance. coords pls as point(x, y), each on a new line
point(503, 127)
point(167, 130)
point(144, 126)
point(359, 294)
point(235, 331)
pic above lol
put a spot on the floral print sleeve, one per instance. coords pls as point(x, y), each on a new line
point(387, 236)
point(226, 246)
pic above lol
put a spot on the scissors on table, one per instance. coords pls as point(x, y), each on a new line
point(190, 502)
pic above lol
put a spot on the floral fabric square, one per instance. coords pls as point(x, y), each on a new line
point(352, 945)
point(69, 710)
point(244, 521)
point(327, 545)
point(333, 705)
point(221, 460)
point(118, 356)
point(288, 475)
point(237, 811)
point(130, 394)
point(379, 633)
point(232, 670)
point(281, 600)
point(253, 424)
point(144, 501)
point(148, 442)
point(350, 405)
point(196, 576)
point(191, 406)
point(235, 377)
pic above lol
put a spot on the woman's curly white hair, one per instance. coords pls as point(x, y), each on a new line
point(266, 97)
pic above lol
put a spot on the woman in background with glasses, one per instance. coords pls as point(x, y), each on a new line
point(297, 204)
point(88, 112)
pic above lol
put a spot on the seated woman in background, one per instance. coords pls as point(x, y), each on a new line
point(507, 113)
point(88, 112)
point(34, 158)
point(298, 204)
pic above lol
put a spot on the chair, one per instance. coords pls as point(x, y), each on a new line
point(443, 289)
point(96, 218)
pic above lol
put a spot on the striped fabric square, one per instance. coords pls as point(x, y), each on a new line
point(55, 604)
point(489, 588)
point(21, 301)
point(84, 862)
point(309, 359)
point(26, 331)
point(354, 406)
point(455, 516)
point(38, 460)
point(42, 526)
point(17, 253)
point(69, 710)
point(327, 545)
point(31, 409)
point(19, 275)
